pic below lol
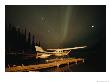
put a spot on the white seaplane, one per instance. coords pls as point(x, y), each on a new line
point(56, 52)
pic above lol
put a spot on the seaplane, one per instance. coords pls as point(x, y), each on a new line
point(56, 52)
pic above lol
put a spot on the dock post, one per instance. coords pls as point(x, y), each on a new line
point(8, 66)
point(57, 65)
point(46, 61)
point(68, 64)
point(76, 62)
point(83, 60)
point(22, 64)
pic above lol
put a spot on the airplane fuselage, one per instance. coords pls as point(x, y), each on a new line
point(56, 52)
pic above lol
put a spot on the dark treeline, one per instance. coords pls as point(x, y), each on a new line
point(19, 46)
point(19, 40)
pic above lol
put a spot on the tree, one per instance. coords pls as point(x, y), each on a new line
point(33, 44)
point(29, 40)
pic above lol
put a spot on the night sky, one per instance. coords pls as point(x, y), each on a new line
point(59, 26)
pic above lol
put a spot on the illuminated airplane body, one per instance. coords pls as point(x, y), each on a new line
point(56, 52)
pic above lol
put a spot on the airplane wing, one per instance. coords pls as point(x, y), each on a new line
point(48, 52)
point(68, 48)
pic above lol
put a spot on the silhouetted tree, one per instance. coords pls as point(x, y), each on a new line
point(19, 39)
point(25, 41)
point(16, 39)
point(25, 35)
point(29, 40)
point(33, 44)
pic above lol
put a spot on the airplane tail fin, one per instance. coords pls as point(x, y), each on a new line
point(39, 49)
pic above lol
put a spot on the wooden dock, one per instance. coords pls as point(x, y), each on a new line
point(42, 66)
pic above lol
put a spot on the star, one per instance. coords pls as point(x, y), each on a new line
point(42, 18)
point(48, 31)
point(92, 26)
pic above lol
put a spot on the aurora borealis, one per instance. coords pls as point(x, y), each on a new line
point(60, 25)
